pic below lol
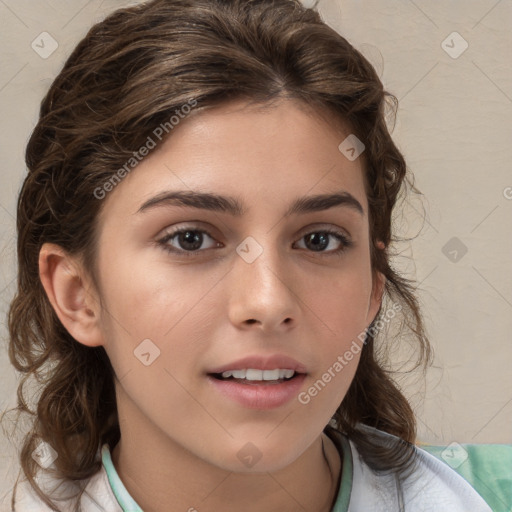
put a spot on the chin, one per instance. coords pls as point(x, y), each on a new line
point(258, 456)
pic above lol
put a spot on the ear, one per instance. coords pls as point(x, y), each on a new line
point(73, 298)
point(378, 285)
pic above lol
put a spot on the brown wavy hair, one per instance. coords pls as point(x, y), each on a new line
point(128, 75)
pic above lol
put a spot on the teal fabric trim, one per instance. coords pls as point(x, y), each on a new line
point(343, 499)
point(126, 502)
point(486, 467)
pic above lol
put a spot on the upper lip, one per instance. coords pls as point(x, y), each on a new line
point(262, 362)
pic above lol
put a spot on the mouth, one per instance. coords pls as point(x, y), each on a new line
point(263, 381)
point(253, 388)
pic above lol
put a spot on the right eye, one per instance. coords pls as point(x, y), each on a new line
point(186, 241)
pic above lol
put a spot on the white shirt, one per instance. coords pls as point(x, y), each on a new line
point(433, 487)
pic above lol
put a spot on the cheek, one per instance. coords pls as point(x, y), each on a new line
point(341, 306)
point(341, 300)
point(151, 300)
point(154, 333)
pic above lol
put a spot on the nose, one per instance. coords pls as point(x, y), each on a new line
point(262, 295)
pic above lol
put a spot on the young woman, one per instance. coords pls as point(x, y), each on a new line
point(204, 274)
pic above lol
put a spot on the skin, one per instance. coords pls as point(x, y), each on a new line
point(179, 437)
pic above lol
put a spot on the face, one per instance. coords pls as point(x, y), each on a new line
point(263, 279)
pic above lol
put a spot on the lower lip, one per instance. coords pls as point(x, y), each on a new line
point(259, 396)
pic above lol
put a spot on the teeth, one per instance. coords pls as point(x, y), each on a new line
point(270, 374)
point(254, 374)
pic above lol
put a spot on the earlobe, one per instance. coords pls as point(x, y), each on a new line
point(379, 283)
point(74, 303)
point(378, 287)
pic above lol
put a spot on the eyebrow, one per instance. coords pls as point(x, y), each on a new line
point(231, 205)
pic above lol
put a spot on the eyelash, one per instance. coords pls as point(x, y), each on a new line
point(341, 237)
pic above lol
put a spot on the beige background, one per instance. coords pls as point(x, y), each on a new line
point(454, 127)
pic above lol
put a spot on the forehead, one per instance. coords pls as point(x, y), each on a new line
point(256, 152)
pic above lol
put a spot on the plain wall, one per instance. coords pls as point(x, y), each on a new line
point(454, 127)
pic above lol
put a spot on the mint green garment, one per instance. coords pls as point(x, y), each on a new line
point(127, 503)
point(487, 468)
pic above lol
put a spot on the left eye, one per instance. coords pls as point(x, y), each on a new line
point(319, 241)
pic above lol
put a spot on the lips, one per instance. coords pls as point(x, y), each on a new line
point(258, 394)
point(240, 380)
